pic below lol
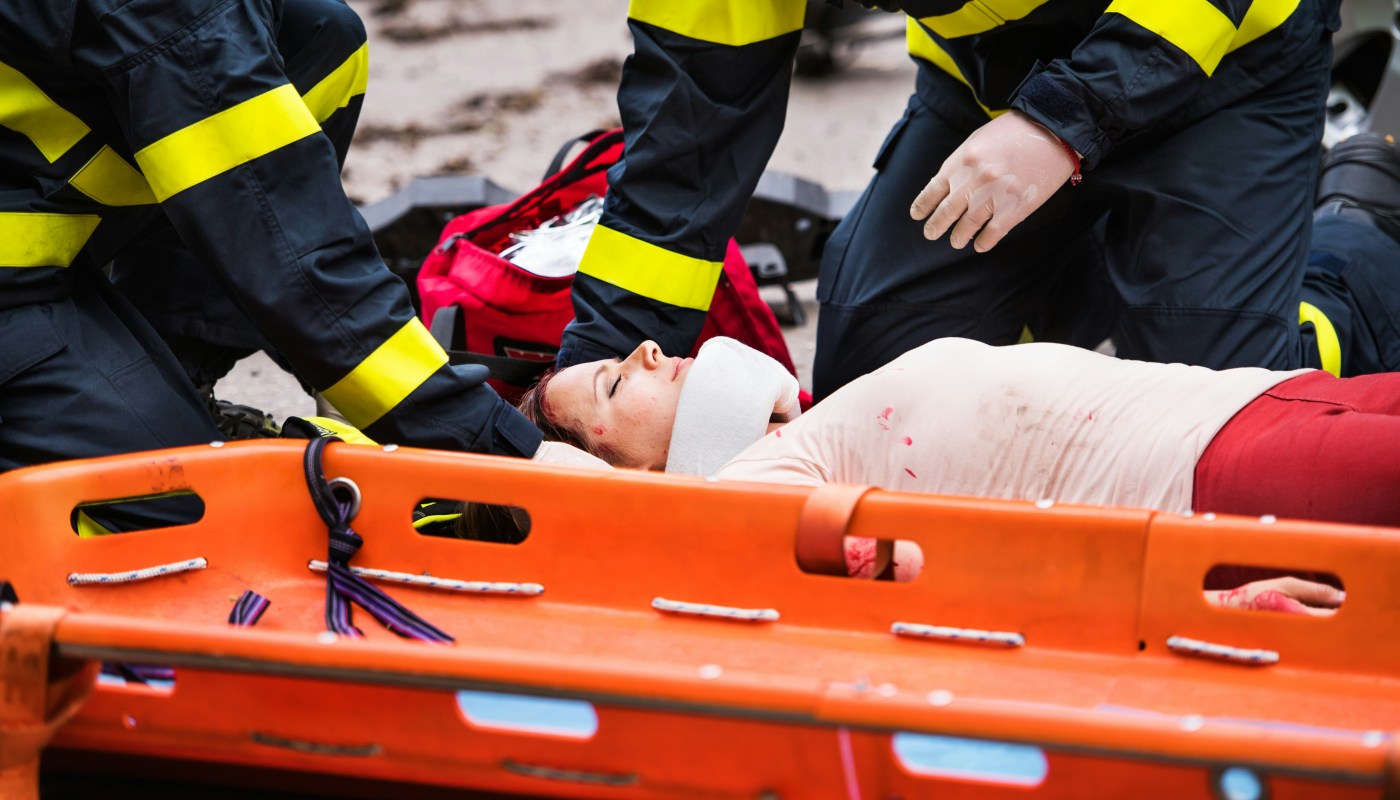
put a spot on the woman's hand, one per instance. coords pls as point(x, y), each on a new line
point(1005, 170)
point(1288, 595)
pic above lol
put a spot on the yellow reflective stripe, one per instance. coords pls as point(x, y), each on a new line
point(30, 239)
point(921, 45)
point(109, 180)
point(1198, 28)
point(335, 91)
point(228, 139)
point(732, 22)
point(650, 271)
point(979, 17)
point(1262, 17)
point(25, 109)
point(1328, 345)
point(388, 375)
point(88, 528)
point(424, 522)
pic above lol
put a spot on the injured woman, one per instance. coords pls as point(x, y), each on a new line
point(1032, 422)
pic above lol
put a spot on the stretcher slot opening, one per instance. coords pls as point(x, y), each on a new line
point(1247, 587)
point(472, 520)
point(134, 514)
point(951, 757)
point(863, 558)
point(518, 713)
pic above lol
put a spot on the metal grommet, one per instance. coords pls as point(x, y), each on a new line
point(349, 486)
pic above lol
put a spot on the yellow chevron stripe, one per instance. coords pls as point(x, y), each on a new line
point(1329, 347)
point(29, 239)
point(109, 180)
point(921, 45)
point(1200, 29)
point(731, 22)
point(388, 375)
point(25, 109)
point(650, 271)
point(335, 91)
point(977, 17)
point(228, 139)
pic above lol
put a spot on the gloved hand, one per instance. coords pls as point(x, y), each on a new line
point(568, 455)
point(1005, 170)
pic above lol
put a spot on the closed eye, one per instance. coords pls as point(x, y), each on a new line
point(613, 389)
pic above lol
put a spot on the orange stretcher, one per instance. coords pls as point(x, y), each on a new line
point(655, 637)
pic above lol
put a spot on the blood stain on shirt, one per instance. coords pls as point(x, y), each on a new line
point(911, 472)
point(908, 441)
point(884, 419)
point(779, 433)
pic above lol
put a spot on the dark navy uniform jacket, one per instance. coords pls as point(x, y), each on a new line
point(704, 95)
point(113, 112)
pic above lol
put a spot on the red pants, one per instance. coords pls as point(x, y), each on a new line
point(1313, 447)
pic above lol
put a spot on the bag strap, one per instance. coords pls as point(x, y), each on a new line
point(448, 329)
point(581, 167)
point(557, 163)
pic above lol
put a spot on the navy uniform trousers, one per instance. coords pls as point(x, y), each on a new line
point(1194, 241)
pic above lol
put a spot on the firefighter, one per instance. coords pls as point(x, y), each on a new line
point(142, 128)
point(1175, 143)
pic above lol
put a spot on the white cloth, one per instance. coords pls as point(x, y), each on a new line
point(1030, 422)
point(731, 392)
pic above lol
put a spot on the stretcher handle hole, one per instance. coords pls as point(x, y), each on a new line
point(132, 514)
point(956, 758)
point(1247, 587)
point(470, 519)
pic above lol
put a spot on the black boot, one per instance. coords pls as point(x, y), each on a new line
point(1360, 180)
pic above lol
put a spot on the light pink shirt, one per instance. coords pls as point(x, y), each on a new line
point(1031, 422)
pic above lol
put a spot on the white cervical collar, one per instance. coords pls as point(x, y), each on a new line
point(730, 395)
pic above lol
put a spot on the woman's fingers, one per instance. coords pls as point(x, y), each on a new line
point(1318, 595)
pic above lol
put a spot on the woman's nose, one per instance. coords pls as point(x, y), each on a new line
point(647, 355)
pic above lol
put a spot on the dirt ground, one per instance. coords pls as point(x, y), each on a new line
point(494, 87)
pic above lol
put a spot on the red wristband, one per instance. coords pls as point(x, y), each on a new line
point(1076, 178)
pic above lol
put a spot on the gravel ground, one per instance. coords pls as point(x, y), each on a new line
point(493, 87)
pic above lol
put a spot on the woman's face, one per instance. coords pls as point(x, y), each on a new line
point(624, 409)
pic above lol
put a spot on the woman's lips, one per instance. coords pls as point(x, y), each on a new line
point(681, 363)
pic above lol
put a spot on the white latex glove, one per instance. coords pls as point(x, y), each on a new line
point(568, 455)
point(1005, 170)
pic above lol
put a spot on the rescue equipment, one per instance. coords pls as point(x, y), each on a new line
point(644, 661)
point(484, 309)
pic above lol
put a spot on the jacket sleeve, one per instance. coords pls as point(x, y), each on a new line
point(702, 99)
point(238, 163)
point(1142, 61)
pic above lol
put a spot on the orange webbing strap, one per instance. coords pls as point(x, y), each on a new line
point(38, 695)
point(821, 530)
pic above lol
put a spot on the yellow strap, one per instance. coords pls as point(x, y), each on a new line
point(1262, 17)
point(731, 22)
point(109, 180)
point(334, 427)
point(388, 375)
point(29, 239)
point(335, 91)
point(25, 109)
point(1329, 347)
point(1198, 28)
point(226, 140)
point(650, 271)
point(979, 17)
point(921, 45)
